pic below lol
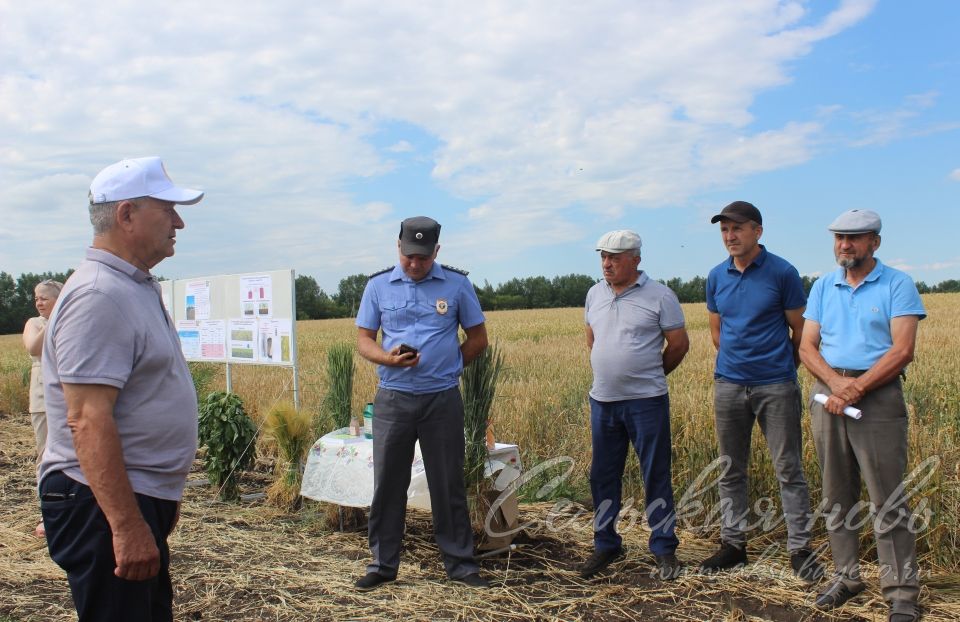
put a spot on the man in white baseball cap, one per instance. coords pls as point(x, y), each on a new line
point(629, 317)
point(121, 407)
point(139, 177)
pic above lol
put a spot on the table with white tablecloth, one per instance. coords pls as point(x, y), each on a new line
point(339, 470)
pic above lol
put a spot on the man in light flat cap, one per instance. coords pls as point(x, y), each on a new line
point(121, 406)
point(859, 336)
point(755, 301)
point(629, 318)
point(419, 305)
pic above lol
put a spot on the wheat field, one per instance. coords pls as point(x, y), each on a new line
point(541, 406)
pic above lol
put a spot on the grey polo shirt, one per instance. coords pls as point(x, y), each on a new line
point(109, 327)
point(627, 353)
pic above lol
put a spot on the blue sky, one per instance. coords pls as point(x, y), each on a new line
point(528, 129)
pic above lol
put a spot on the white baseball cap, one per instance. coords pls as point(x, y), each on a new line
point(139, 177)
point(619, 241)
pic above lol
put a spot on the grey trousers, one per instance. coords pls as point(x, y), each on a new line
point(777, 409)
point(873, 448)
point(436, 419)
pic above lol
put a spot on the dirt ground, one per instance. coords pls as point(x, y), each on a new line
point(250, 561)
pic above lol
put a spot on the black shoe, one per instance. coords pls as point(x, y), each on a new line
point(729, 556)
point(805, 565)
point(600, 560)
point(473, 580)
point(837, 594)
point(668, 567)
point(903, 611)
point(371, 581)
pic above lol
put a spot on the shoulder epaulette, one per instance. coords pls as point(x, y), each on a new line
point(379, 272)
point(452, 269)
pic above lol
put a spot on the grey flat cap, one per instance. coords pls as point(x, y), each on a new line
point(856, 221)
point(619, 241)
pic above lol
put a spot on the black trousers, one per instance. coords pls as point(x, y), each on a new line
point(80, 541)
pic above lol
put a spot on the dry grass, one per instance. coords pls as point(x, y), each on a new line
point(256, 562)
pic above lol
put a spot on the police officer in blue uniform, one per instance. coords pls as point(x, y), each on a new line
point(419, 306)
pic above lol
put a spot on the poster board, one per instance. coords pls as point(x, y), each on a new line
point(245, 318)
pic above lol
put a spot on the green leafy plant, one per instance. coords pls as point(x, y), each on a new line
point(293, 433)
point(228, 433)
point(339, 400)
point(479, 388)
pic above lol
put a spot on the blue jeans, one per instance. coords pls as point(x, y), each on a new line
point(777, 409)
point(646, 423)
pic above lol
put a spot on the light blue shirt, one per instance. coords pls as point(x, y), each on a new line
point(855, 323)
point(425, 314)
point(627, 352)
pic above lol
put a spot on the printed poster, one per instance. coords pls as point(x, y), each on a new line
point(274, 341)
point(198, 300)
point(256, 296)
point(213, 339)
point(242, 340)
point(189, 333)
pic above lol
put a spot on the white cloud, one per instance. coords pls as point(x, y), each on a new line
point(955, 174)
point(401, 146)
point(537, 107)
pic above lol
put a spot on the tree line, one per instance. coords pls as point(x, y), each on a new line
point(533, 292)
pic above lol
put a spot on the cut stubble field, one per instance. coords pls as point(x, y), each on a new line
point(252, 561)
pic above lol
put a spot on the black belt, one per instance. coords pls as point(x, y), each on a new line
point(849, 373)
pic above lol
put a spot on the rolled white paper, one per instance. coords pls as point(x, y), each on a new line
point(849, 411)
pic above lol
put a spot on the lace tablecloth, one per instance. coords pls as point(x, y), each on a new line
point(340, 470)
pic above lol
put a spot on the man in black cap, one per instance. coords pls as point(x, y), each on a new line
point(419, 306)
point(755, 300)
point(859, 336)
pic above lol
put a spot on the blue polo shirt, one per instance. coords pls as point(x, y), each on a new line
point(755, 347)
point(425, 314)
point(855, 323)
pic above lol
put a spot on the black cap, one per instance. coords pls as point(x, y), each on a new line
point(739, 211)
point(419, 235)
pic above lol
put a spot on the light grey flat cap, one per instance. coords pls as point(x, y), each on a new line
point(856, 221)
point(619, 241)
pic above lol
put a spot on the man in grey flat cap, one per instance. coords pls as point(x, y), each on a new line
point(859, 336)
point(629, 318)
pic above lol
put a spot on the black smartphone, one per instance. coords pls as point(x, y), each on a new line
point(404, 348)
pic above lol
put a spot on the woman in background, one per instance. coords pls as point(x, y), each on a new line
point(45, 296)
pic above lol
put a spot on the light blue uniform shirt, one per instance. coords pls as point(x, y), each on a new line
point(425, 314)
point(855, 323)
